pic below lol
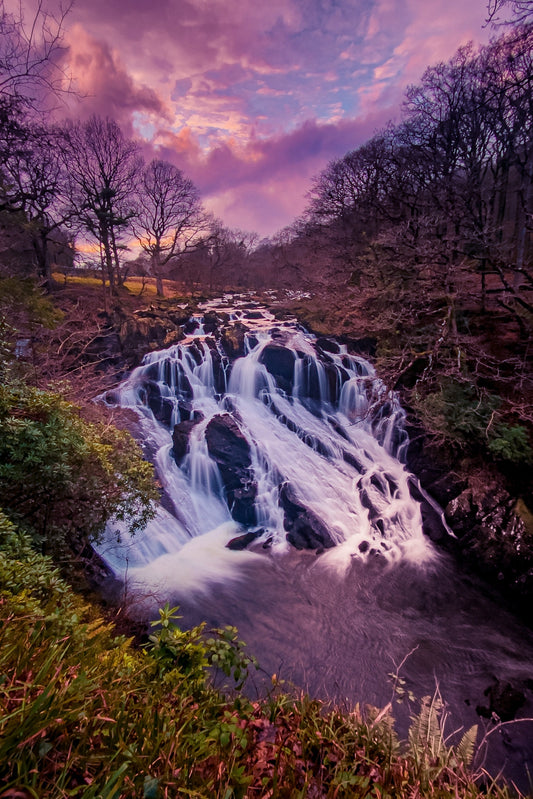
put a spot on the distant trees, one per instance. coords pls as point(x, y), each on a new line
point(36, 186)
point(169, 217)
point(102, 168)
point(452, 185)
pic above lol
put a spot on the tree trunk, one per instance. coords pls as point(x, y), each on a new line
point(156, 271)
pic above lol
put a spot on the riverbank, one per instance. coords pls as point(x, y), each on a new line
point(107, 368)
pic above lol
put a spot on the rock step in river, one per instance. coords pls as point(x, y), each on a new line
point(287, 511)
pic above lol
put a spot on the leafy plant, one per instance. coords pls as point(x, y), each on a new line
point(191, 652)
point(65, 478)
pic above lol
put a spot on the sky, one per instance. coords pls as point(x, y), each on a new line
point(252, 98)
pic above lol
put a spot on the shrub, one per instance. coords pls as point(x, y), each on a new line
point(64, 478)
point(472, 420)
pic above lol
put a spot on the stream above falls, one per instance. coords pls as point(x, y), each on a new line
point(287, 511)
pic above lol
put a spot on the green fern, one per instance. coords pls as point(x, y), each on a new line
point(466, 747)
point(425, 733)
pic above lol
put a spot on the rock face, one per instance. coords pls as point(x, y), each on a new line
point(433, 522)
point(493, 537)
point(231, 452)
point(180, 439)
point(279, 362)
point(232, 340)
point(304, 529)
point(148, 329)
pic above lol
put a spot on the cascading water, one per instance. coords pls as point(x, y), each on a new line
point(321, 434)
point(289, 450)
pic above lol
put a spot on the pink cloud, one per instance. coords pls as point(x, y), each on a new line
point(105, 86)
point(252, 99)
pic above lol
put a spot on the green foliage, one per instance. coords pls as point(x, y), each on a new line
point(190, 653)
point(26, 303)
point(63, 477)
point(433, 758)
point(83, 713)
point(511, 443)
point(462, 415)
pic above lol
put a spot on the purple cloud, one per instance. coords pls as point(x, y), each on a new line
point(252, 99)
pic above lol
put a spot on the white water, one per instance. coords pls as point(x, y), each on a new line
point(303, 436)
point(337, 622)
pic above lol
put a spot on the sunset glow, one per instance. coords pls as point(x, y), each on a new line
point(251, 100)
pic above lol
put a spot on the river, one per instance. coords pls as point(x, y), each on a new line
point(298, 443)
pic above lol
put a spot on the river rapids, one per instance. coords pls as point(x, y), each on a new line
point(288, 512)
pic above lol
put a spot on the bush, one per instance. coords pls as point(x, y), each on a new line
point(471, 420)
point(63, 478)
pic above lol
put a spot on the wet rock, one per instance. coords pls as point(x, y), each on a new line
point(160, 406)
point(350, 458)
point(433, 523)
point(180, 439)
point(179, 316)
point(279, 362)
point(210, 322)
point(241, 504)
point(196, 352)
point(365, 346)
point(364, 546)
point(191, 326)
point(231, 452)
point(304, 529)
point(339, 429)
point(242, 541)
point(232, 340)
point(328, 345)
point(228, 447)
point(137, 334)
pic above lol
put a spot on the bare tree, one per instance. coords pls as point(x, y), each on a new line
point(36, 186)
point(521, 10)
point(103, 168)
point(170, 218)
point(30, 49)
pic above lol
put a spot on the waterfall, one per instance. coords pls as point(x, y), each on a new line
point(295, 442)
point(287, 511)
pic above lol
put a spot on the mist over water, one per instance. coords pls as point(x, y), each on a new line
point(322, 439)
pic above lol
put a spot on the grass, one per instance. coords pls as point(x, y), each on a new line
point(85, 713)
point(137, 285)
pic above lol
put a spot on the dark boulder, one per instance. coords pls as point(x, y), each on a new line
point(232, 340)
point(279, 362)
point(161, 407)
point(366, 346)
point(180, 439)
point(241, 504)
point(230, 450)
point(191, 326)
point(197, 352)
point(433, 523)
point(327, 345)
point(210, 322)
point(304, 529)
point(242, 541)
